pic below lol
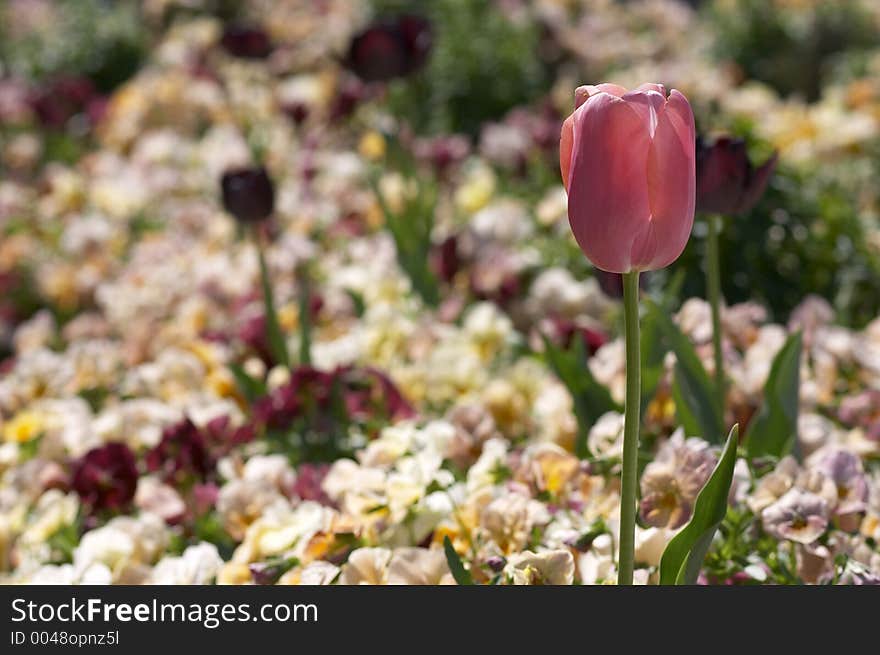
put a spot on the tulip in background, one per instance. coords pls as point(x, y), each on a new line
point(727, 184)
point(249, 195)
point(628, 164)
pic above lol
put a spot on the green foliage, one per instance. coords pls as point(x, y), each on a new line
point(482, 65)
point(691, 389)
point(773, 432)
point(806, 236)
point(459, 572)
point(684, 554)
point(102, 40)
point(274, 335)
point(792, 49)
point(590, 398)
point(411, 227)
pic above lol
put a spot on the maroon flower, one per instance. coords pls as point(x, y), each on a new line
point(246, 42)
point(106, 477)
point(566, 331)
point(182, 452)
point(248, 194)
point(390, 49)
point(727, 182)
point(446, 260)
point(308, 483)
point(442, 153)
point(60, 100)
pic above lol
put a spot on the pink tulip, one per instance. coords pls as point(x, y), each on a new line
point(627, 160)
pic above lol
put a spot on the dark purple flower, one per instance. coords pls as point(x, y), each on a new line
point(309, 478)
point(442, 152)
point(727, 182)
point(60, 100)
point(246, 42)
point(566, 331)
point(446, 260)
point(181, 453)
point(390, 49)
point(248, 194)
point(106, 477)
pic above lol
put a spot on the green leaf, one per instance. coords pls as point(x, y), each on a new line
point(462, 575)
point(691, 388)
point(305, 320)
point(773, 431)
point(277, 344)
point(653, 345)
point(250, 388)
point(684, 554)
point(590, 398)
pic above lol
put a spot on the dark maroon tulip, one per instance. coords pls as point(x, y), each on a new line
point(248, 194)
point(727, 182)
point(181, 453)
point(246, 42)
point(390, 49)
point(106, 477)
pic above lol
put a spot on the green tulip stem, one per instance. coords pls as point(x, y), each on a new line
point(629, 472)
point(713, 291)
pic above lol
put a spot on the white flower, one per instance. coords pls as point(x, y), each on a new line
point(366, 566)
point(552, 567)
point(199, 564)
point(418, 566)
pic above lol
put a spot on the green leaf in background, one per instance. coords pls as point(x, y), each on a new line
point(691, 388)
point(683, 557)
point(773, 431)
point(462, 575)
point(277, 344)
point(411, 229)
point(305, 319)
point(250, 388)
point(654, 347)
point(590, 398)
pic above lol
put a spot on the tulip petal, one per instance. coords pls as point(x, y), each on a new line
point(757, 183)
point(588, 90)
point(566, 140)
point(648, 104)
point(671, 188)
point(608, 203)
point(649, 86)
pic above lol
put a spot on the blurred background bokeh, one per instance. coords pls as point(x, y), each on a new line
point(496, 77)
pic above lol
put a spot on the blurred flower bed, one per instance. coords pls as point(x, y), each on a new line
point(454, 368)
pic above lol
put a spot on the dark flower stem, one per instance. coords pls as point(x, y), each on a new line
point(629, 472)
point(277, 344)
point(713, 292)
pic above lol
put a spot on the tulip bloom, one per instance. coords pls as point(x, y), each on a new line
point(628, 164)
point(248, 194)
point(727, 182)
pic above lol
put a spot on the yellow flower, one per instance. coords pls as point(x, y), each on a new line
point(23, 427)
point(372, 146)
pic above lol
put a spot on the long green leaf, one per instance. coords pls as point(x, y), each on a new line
point(305, 319)
point(654, 347)
point(251, 388)
point(277, 344)
point(590, 399)
point(773, 431)
point(462, 575)
point(691, 388)
point(684, 554)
